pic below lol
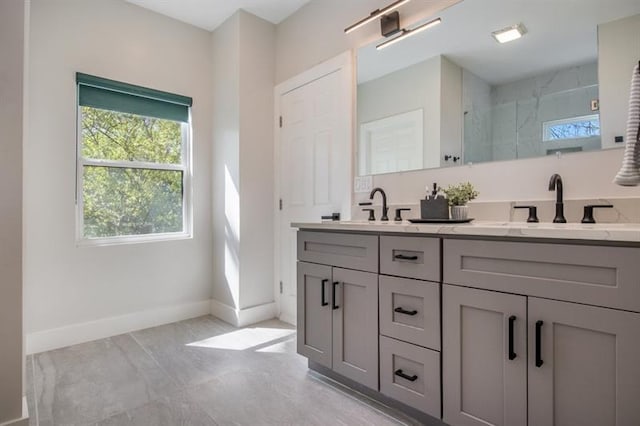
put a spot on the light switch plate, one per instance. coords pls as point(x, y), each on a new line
point(362, 184)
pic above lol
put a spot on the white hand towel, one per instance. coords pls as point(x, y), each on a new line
point(629, 174)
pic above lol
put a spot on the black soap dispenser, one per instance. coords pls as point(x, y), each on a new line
point(434, 206)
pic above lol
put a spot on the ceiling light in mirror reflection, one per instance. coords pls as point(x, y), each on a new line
point(508, 34)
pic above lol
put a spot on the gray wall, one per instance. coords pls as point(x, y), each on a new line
point(12, 37)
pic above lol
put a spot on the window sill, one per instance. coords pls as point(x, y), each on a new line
point(132, 239)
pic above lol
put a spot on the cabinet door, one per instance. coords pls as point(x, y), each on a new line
point(314, 312)
point(484, 382)
point(355, 326)
point(584, 369)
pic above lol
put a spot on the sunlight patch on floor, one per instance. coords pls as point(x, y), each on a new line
point(246, 338)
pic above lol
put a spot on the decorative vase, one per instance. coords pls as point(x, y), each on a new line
point(459, 212)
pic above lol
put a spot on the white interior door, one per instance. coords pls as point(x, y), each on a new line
point(314, 167)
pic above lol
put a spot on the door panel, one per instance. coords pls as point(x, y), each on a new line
point(481, 385)
point(355, 331)
point(314, 169)
point(590, 372)
point(314, 312)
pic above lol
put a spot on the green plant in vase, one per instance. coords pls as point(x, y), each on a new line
point(458, 196)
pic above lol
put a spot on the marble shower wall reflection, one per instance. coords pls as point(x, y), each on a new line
point(537, 116)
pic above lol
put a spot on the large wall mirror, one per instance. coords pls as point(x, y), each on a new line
point(453, 95)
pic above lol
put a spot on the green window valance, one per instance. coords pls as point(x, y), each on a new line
point(113, 95)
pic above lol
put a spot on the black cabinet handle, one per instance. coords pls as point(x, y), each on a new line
point(512, 352)
point(323, 293)
point(539, 360)
point(402, 311)
point(404, 257)
point(333, 296)
point(399, 373)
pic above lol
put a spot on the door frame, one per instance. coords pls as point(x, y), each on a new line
point(342, 64)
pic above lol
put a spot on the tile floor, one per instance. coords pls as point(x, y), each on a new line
point(196, 372)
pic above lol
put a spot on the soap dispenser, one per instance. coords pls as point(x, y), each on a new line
point(435, 205)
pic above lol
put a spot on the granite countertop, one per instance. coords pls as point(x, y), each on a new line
point(613, 232)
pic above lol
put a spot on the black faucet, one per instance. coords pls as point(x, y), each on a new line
point(385, 209)
point(555, 184)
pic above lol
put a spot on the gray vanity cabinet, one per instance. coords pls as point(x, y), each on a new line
point(314, 321)
point(519, 359)
point(355, 331)
point(338, 307)
point(484, 383)
point(590, 369)
point(336, 310)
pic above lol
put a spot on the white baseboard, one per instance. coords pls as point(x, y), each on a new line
point(46, 340)
point(22, 421)
point(288, 318)
point(244, 317)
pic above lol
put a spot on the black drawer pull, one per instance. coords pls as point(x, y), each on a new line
point(323, 303)
point(539, 360)
point(512, 352)
point(403, 257)
point(333, 296)
point(403, 311)
point(399, 373)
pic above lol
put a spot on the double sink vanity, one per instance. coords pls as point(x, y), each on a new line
point(488, 323)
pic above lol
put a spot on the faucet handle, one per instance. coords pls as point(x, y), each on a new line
point(398, 217)
point(588, 211)
point(372, 216)
point(533, 213)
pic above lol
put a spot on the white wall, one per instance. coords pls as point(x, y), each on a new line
point(67, 285)
point(243, 81)
point(619, 52)
point(315, 33)
point(12, 37)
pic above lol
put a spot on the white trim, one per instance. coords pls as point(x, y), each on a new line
point(132, 239)
point(344, 61)
point(132, 165)
point(45, 340)
point(289, 319)
point(246, 316)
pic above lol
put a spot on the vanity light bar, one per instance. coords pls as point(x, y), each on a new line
point(408, 33)
point(375, 15)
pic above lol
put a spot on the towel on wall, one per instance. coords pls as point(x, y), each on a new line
point(629, 174)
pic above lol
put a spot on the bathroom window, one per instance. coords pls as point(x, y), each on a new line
point(586, 126)
point(133, 168)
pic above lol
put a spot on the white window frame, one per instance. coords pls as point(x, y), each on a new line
point(547, 124)
point(187, 207)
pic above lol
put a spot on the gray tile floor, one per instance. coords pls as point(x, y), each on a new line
point(195, 372)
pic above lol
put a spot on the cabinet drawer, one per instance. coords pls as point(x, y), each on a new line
point(413, 257)
point(603, 276)
point(353, 251)
point(411, 375)
point(410, 311)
